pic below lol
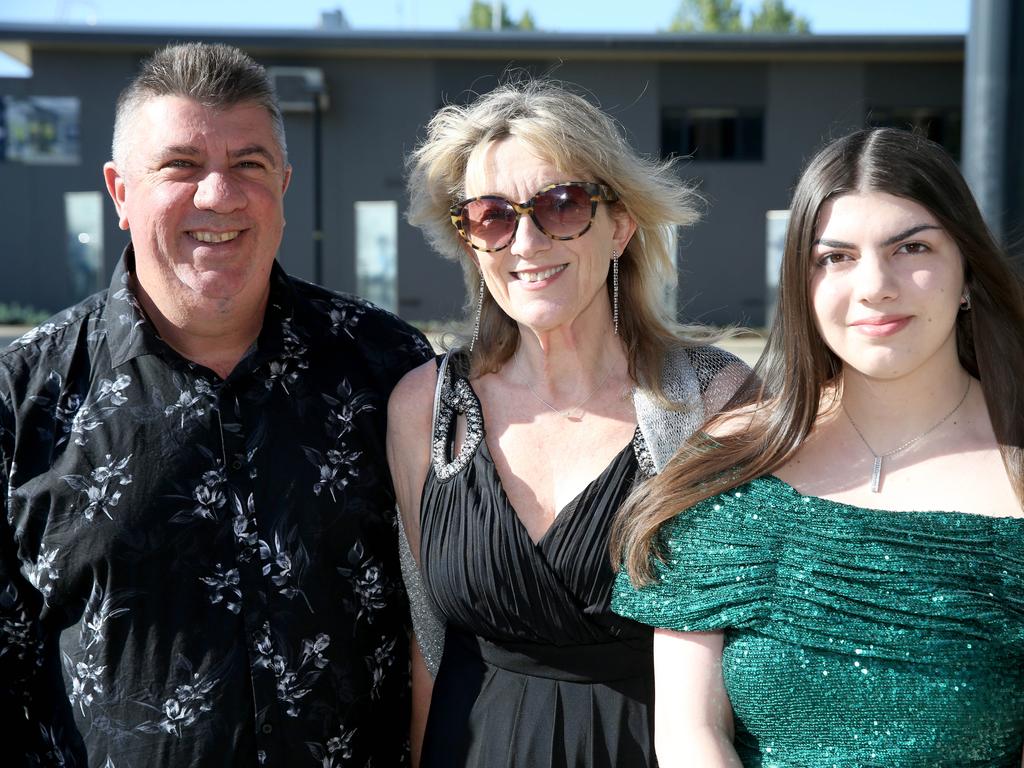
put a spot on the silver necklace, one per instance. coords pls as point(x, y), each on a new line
point(876, 469)
point(573, 413)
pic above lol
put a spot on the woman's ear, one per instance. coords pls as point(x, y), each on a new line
point(470, 253)
point(624, 228)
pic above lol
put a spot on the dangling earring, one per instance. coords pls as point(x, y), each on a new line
point(615, 290)
point(965, 300)
point(479, 310)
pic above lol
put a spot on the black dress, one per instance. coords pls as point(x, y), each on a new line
point(537, 671)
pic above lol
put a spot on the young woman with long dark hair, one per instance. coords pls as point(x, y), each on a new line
point(845, 582)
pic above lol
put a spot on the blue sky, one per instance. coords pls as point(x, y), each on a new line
point(629, 16)
point(625, 16)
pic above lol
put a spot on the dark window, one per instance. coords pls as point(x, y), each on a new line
point(715, 135)
point(941, 125)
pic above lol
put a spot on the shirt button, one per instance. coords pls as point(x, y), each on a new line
point(267, 728)
point(236, 464)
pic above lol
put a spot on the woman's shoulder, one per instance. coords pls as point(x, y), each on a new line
point(414, 391)
point(717, 373)
point(764, 549)
point(714, 565)
point(727, 527)
point(754, 500)
point(423, 407)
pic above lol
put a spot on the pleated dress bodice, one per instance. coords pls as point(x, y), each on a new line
point(537, 670)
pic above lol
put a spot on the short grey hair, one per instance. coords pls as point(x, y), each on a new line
point(214, 75)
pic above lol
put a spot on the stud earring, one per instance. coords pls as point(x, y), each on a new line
point(615, 290)
point(479, 311)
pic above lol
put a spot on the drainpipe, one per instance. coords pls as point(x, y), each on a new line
point(987, 96)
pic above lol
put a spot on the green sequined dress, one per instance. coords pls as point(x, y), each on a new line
point(853, 637)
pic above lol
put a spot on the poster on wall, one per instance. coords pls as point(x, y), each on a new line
point(39, 130)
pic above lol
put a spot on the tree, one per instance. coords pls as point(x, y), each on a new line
point(774, 16)
point(727, 16)
point(707, 16)
point(481, 16)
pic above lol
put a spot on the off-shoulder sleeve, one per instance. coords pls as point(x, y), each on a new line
point(718, 570)
point(822, 574)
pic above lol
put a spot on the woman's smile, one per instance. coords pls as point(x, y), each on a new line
point(535, 276)
point(887, 325)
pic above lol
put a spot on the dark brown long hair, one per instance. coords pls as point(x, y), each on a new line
point(785, 392)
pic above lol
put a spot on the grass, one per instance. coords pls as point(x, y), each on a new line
point(13, 313)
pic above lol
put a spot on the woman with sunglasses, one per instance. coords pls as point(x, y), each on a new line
point(511, 454)
point(845, 583)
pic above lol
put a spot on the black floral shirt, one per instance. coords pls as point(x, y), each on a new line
point(196, 571)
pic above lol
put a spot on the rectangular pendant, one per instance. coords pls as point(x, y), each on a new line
point(876, 475)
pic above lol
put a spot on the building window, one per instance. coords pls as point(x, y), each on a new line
point(83, 224)
point(776, 225)
point(713, 135)
point(39, 130)
point(941, 125)
point(377, 252)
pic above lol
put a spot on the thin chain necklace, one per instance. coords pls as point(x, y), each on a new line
point(573, 413)
point(876, 469)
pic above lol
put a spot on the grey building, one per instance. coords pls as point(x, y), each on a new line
point(748, 110)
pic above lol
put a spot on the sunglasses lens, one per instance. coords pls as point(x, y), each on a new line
point(563, 211)
point(489, 222)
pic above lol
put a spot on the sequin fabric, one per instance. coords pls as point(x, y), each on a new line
point(644, 459)
point(853, 637)
point(426, 623)
point(456, 397)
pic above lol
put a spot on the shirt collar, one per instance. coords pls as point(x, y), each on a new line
point(130, 333)
point(282, 328)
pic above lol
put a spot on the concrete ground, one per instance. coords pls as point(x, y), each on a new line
point(9, 333)
point(747, 348)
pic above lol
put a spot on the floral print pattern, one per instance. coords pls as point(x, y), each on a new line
point(294, 680)
point(188, 702)
point(101, 488)
point(189, 551)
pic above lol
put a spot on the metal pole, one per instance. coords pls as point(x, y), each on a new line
point(1013, 223)
point(496, 15)
point(318, 228)
point(986, 108)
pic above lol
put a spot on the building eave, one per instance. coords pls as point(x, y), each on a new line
point(669, 47)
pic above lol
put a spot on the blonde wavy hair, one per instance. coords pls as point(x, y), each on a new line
point(568, 131)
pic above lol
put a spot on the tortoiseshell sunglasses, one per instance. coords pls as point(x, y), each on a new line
point(562, 211)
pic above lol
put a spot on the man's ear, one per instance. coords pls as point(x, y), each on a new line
point(287, 179)
point(117, 192)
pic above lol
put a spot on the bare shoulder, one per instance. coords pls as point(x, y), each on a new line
point(413, 396)
point(410, 411)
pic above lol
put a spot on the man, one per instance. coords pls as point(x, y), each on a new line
point(198, 561)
